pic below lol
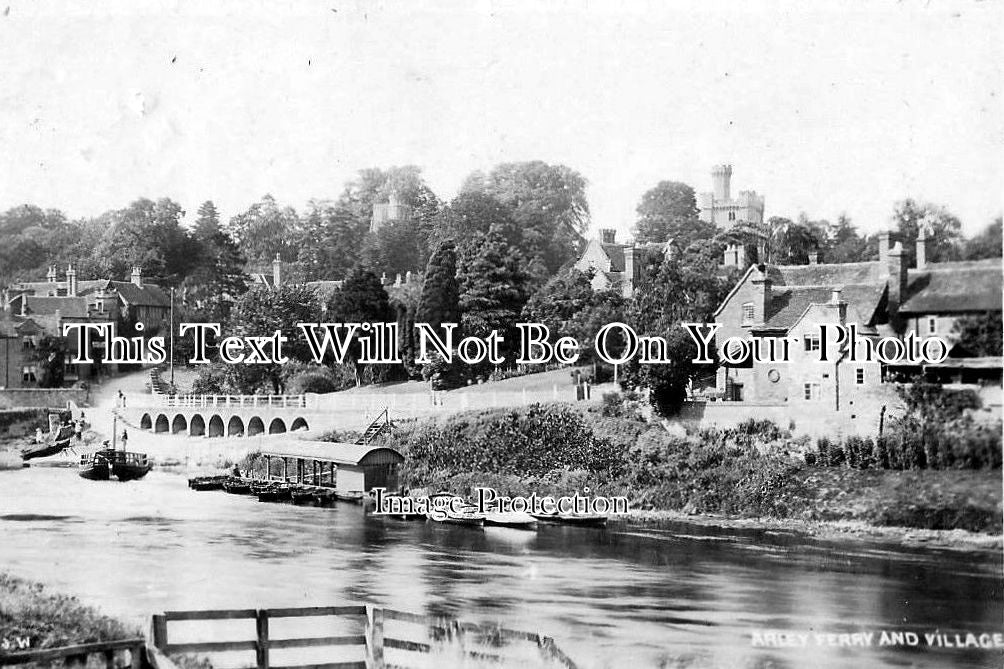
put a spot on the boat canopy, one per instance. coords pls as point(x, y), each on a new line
point(339, 453)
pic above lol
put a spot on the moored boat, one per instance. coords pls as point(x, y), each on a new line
point(515, 519)
point(395, 501)
point(207, 482)
point(280, 492)
point(302, 496)
point(236, 486)
point(580, 519)
point(351, 496)
point(454, 513)
point(107, 463)
point(324, 496)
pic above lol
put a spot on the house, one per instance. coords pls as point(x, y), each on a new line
point(616, 266)
point(35, 309)
point(883, 298)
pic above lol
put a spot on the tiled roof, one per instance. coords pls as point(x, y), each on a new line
point(616, 254)
point(149, 295)
point(789, 303)
point(68, 307)
point(837, 274)
point(954, 287)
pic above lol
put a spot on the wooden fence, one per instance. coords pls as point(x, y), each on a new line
point(371, 642)
point(80, 653)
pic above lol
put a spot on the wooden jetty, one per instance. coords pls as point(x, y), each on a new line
point(373, 636)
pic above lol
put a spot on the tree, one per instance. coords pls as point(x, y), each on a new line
point(218, 279)
point(669, 211)
point(331, 239)
point(943, 231)
point(981, 335)
point(987, 244)
point(397, 247)
point(147, 235)
point(470, 216)
point(790, 242)
point(361, 299)
point(844, 244)
point(492, 291)
point(266, 229)
point(440, 302)
point(677, 291)
point(50, 353)
point(568, 306)
point(547, 202)
point(262, 311)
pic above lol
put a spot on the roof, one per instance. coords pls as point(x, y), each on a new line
point(68, 307)
point(836, 274)
point(787, 305)
point(954, 287)
point(147, 295)
point(616, 254)
point(336, 452)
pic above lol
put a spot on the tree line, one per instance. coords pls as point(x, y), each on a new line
point(502, 250)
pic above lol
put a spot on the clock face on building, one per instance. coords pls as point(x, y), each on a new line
point(774, 376)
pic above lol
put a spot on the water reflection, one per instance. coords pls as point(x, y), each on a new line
point(673, 595)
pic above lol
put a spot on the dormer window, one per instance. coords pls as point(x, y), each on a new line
point(748, 313)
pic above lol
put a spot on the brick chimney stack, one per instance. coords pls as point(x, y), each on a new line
point(883, 241)
point(922, 247)
point(897, 281)
point(629, 270)
point(137, 277)
point(761, 287)
point(51, 276)
point(71, 281)
point(608, 236)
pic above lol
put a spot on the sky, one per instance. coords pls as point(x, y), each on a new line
point(846, 107)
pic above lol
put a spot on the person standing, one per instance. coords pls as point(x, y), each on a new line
point(125, 438)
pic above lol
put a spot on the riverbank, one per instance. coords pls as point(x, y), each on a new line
point(32, 618)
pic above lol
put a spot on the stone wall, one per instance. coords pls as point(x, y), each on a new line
point(42, 397)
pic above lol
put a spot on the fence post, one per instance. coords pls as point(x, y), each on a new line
point(261, 627)
point(159, 631)
point(376, 636)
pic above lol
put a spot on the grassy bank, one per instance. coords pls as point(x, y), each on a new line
point(754, 471)
point(28, 611)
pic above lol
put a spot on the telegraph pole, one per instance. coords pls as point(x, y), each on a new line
point(172, 339)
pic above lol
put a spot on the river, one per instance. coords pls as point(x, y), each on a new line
point(677, 595)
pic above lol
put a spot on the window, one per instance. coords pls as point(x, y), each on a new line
point(747, 313)
point(859, 376)
point(811, 342)
point(811, 391)
point(28, 375)
point(932, 325)
point(732, 215)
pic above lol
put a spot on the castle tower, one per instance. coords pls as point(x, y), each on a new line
point(721, 180)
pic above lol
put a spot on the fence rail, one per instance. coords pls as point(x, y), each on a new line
point(136, 648)
point(372, 641)
point(236, 401)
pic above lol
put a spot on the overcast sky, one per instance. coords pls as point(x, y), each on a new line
point(847, 108)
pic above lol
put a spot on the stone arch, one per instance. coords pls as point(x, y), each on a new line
point(145, 423)
point(235, 426)
point(162, 424)
point(255, 426)
point(215, 426)
point(179, 424)
point(299, 424)
point(276, 426)
point(197, 426)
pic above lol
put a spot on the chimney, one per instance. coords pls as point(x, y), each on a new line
point(383, 279)
point(407, 277)
point(397, 279)
point(608, 236)
point(721, 177)
point(276, 271)
point(835, 294)
point(922, 247)
point(24, 304)
point(883, 241)
point(629, 270)
point(71, 281)
point(51, 276)
point(137, 277)
point(761, 289)
point(814, 257)
point(897, 280)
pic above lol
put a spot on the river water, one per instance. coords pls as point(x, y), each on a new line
point(679, 595)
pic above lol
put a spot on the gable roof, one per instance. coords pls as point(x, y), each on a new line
point(147, 295)
point(836, 274)
point(68, 307)
point(616, 254)
point(954, 287)
point(788, 305)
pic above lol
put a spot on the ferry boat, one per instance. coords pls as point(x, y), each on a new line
point(104, 464)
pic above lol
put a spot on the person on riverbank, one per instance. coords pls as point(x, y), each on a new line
point(78, 429)
point(125, 438)
point(39, 437)
point(122, 399)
